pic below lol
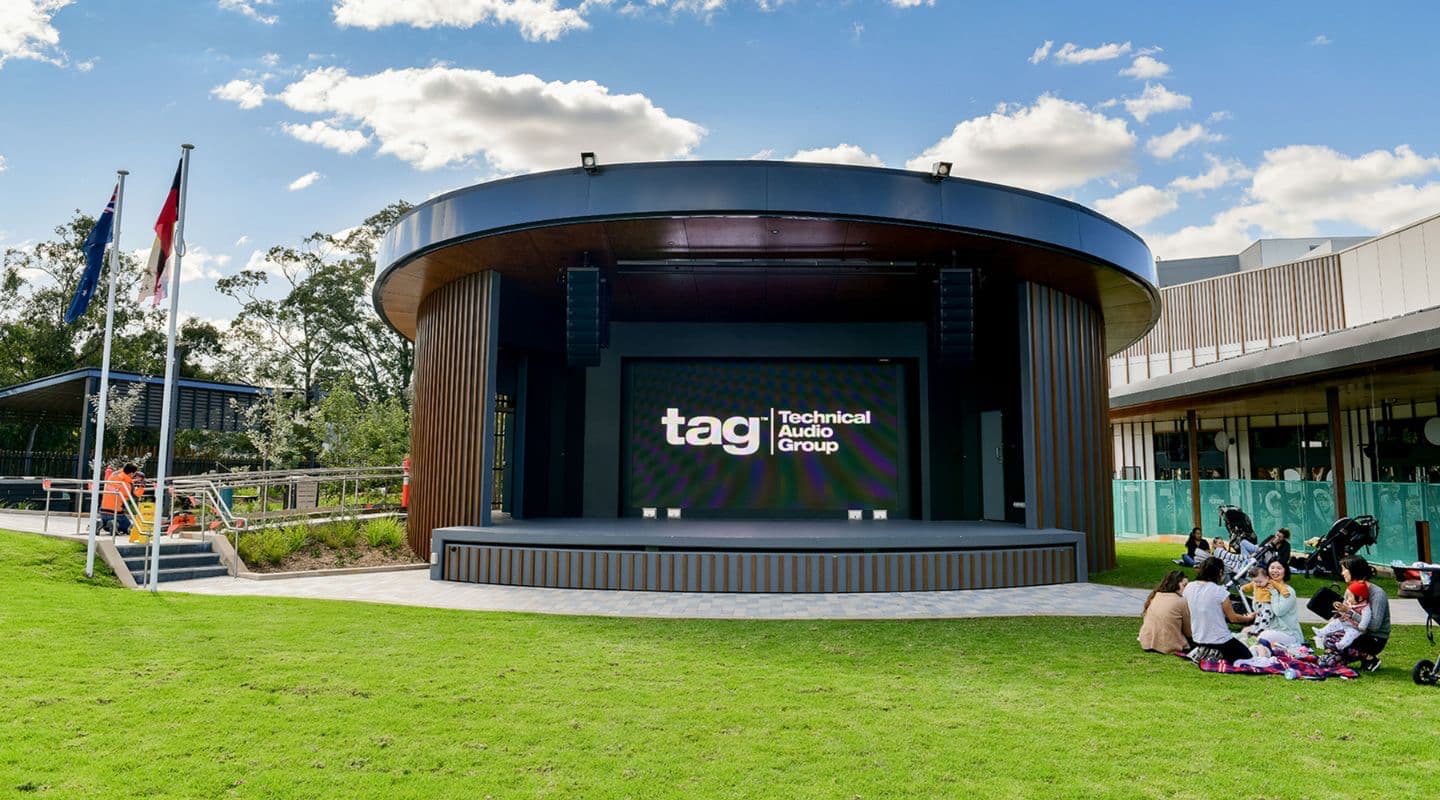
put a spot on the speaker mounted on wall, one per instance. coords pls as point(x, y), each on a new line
point(955, 317)
point(586, 316)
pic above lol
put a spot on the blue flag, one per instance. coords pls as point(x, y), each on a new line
point(94, 258)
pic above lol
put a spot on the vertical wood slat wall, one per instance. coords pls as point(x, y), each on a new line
point(1065, 419)
point(676, 571)
point(449, 461)
point(1229, 315)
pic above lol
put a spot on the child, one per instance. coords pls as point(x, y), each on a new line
point(1259, 585)
point(1346, 626)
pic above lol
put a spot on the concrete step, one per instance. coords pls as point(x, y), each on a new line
point(183, 574)
point(167, 547)
point(175, 561)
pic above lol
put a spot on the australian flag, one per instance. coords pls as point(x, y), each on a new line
point(94, 257)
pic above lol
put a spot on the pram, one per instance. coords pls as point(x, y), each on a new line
point(1344, 539)
point(1237, 570)
point(1237, 522)
point(1423, 584)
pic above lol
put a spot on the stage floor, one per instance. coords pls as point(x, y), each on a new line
point(757, 555)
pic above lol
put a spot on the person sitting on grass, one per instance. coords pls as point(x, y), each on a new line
point(1210, 610)
point(1165, 618)
point(1193, 543)
point(1376, 634)
point(1351, 619)
point(1279, 545)
point(1284, 629)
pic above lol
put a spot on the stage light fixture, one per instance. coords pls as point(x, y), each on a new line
point(855, 514)
point(880, 514)
point(648, 512)
point(672, 513)
point(940, 171)
point(589, 163)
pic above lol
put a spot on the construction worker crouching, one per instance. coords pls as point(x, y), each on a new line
point(112, 501)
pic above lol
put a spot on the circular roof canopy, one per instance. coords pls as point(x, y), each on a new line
point(763, 237)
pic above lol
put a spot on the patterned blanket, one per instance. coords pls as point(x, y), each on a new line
point(1306, 667)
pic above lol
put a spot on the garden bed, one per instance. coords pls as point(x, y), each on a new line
point(334, 544)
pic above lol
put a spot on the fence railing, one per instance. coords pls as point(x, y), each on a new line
point(20, 463)
point(1307, 508)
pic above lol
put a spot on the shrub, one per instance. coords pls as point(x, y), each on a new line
point(270, 546)
point(338, 535)
point(385, 532)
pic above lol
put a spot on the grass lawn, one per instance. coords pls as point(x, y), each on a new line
point(116, 693)
point(1142, 565)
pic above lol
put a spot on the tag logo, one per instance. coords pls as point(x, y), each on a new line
point(739, 436)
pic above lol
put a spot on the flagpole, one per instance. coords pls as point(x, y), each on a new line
point(170, 377)
point(95, 484)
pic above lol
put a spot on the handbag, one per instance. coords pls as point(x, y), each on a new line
point(1323, 603)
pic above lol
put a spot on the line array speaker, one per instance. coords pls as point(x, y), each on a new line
point(585, 323)
point(955, 317)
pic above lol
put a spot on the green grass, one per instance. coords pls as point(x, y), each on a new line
point(116, 693)
point(1142, 564)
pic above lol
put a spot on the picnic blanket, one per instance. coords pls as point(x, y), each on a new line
point(1307, 667)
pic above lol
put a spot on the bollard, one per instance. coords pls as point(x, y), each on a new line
point(1422, 540)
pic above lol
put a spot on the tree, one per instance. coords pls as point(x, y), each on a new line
point(273, 425)
point(355, 434)
point(122, 405)
point(322, 324)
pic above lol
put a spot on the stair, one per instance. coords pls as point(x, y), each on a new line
point(179, 561)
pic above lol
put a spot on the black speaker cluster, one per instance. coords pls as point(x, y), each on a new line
point(586, 323)
point(955, 317)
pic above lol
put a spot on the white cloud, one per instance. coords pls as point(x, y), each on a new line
point(1145, 68)
point(1220, 173)
point(250, 8)
point(3, 165)
point(1042, 52)
point(270, 59)
point(1300, 188)
point(1069, 53)
point(1051, 145)
point(242, 241)
point(26, 31)
point(87, 65)
point(1166, 145)
point(1156, 99)
point(911, 3)
point(246, 94)
point(1320, 40)
point(839, 154)
point(342, 140)
point(259, 261)
point(1218, 116)
point(434, 116)
point(304, 181)
point(536, 19)
point(1138, 205)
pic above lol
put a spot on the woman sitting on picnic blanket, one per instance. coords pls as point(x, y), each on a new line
point(1165, 619)
point(1284, 628)
point(1366, 647)
point(1210, 609)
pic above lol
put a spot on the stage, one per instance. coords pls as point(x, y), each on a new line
point(790, 556)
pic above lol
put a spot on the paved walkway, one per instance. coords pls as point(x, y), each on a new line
point(414, 588)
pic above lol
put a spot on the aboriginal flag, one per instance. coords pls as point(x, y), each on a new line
point(152, 285)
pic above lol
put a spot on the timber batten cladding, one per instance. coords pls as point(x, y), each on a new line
point(746, 572)
point(1067, 433)
point(453, 413)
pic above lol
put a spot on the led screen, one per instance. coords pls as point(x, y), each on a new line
point(765, 438)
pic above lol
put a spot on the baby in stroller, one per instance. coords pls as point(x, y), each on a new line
point(1346, 626)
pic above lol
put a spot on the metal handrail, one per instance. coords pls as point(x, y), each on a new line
point(81, 488)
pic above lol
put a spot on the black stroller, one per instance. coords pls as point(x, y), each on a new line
point(1423, 584)
point(1344, 539)
point(1237, 522)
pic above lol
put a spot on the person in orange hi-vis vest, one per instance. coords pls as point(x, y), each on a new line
point(112, 504)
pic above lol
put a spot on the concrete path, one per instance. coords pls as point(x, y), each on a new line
point(414, 588)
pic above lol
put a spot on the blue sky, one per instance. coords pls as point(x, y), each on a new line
point(1239, 121)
